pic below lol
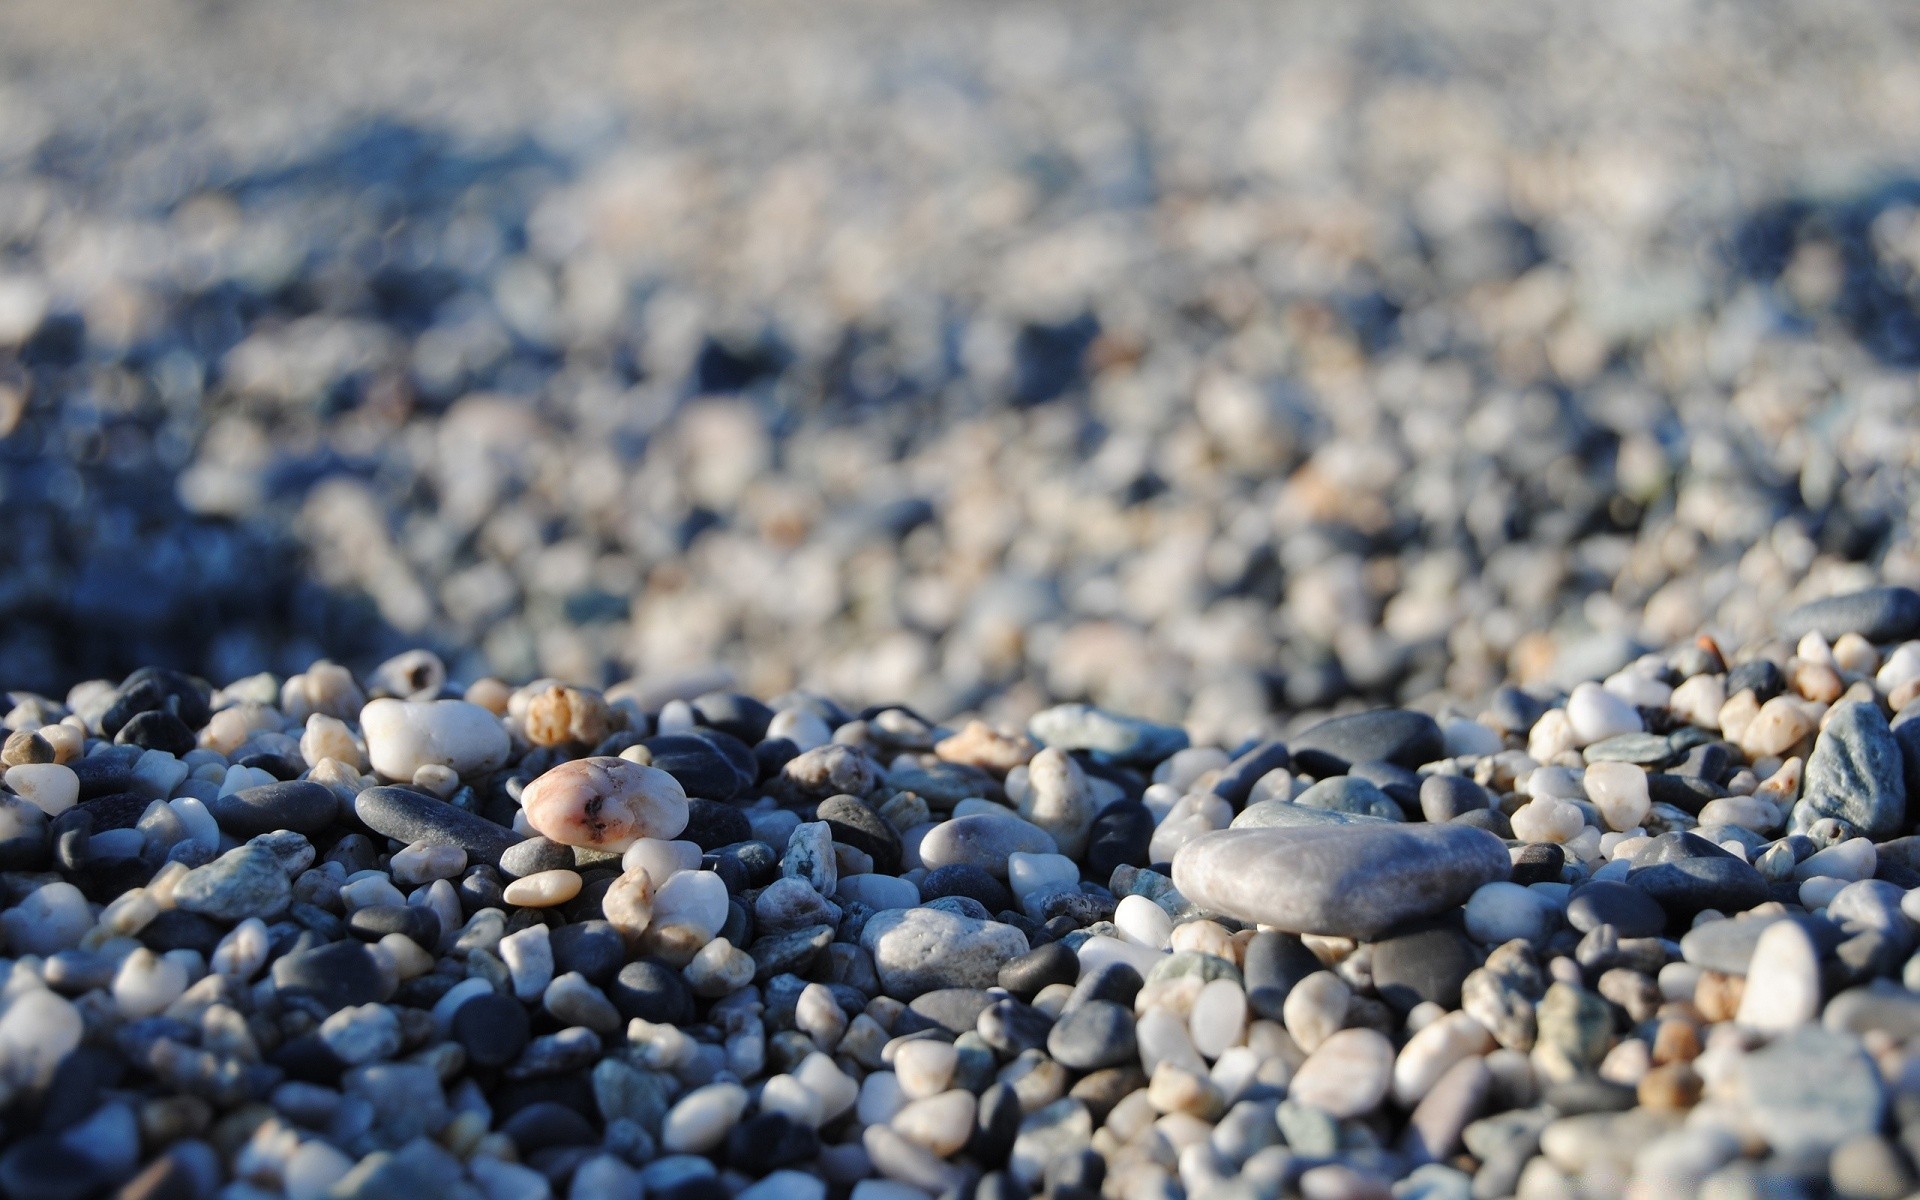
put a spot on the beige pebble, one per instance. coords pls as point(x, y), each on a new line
point(561, 714)
point(543, 889)
point(328, 737)
point(1777, 728)
point(1348, 1075)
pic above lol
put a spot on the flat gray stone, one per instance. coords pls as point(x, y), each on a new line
point(1810, 1090)
point(919, 950)
point(1345, 881)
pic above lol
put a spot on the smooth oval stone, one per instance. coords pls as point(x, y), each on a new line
point(1352, 795)
point(1274, 963)
point(855, 823)
point(1037, 968)
point(1630, 910)
point(404, 735)
point(493, 1028)
point(1428, 962)
point(653, 992)
point(1395, 735)
point(335, 976)
point(1880, 614)
point(301, 805)
point(740, 716)
point(157, 730)
point(1098, 1033)
point(1285, 814)
point(701, 767)
point(1344, 881)
point(1686, 874)
point(1444, 797)
point(605, 804)
point(983, 840)
point(534, 855)
point(965, 879)
point(409, 816)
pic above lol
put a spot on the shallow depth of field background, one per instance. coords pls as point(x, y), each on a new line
point(1211, 361)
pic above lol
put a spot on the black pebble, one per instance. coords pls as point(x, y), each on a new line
point(1445, 797)
point(1119, 837)
point(493, 1029)
point(120, 811)
point(711, 824)
point(156, 730)
point(768, 1141)
point(1425, 962)
point(546, 1123)
point(731, 713)
point(332, 977)
point(178, 929)
point(376, 921)
point(653, 992)
point(1237, 778)
point(1631, 912)
point(1762, 676)
point(1052, 963)
point(996, 1123)
point(593, 948)
point(771, 757)
point(481, 887)
point(1113, 981)
point(1274, 962)
point(1396, 735)
point(1539, 862)
point(701, 766)
point(965, 879)
point(42, 1168)
point(102, 775)
point(855, 823)
point(1400, 783)
point(300, 805)
point(70, 832)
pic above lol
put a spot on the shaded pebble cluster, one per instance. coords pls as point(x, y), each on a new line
point(339, 938)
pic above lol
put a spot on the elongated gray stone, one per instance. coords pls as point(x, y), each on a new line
point(1342, 880)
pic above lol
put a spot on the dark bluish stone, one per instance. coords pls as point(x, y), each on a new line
point(1114, 981)
point(1630, 910)
point(738, 927)
point(1762, 676)
point(1490, 819)
point(1688, 793)
point(186, 696)
point(1539, 862)
point(1710, 760)
point(1401, 784)
point(492, 1028)
point(796, 952)
point(755, 864)
point(768, 1141)
point(1880, 614)
point(102, 775)
point(70, 832)
point(1425, 962)
point(956, 1010)
point(1011, 1027)
point(731, 713)
point(309, 1060)
point(1120, 836)
point(1095, 1034)
point(1395, 735)
point(1274, 963)
point(481, 887)
point(1687, 874)
point(1237, 778)
point(78, 1082)
point(546, 1123)
point(302, 806)
point(965, 879)
point(996, 1122)
point(1043, 965)
point(711, 824)
point(408, 816)
point(41, 1167)
point(332, 977)
point(376, 921)
point(701, 766)
point(855, 823)
point(593, 948)
point(119, 811)
point(280, 766)
point(178, 929)
point(156, 730)
point(1514, 711)
point(652, 991)
point(1856, 773)
point(1444, 797)
point(772, 756)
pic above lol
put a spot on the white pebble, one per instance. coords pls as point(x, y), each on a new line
point(1548, 820)
point(1500, 912)
point(424, 862)
point(543, 889)
point(924, 1068)
point(661, 859)
point(1142, 921)
point(49, 787)
point(147, 983)
point(403, 736)
point(1597, 714)
point(1219, 1017)
point(837, 1092)
point(1783, 980)
point(880, 1098)
point(1619, 791)
point(53, 917)
point(788, 1096)
point(701, 1119)
point(1028, 873)
point(529, 958)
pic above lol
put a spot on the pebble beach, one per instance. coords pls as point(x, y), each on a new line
point(953, 602)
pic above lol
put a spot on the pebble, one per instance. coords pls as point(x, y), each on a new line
point(1394, 735)
point(921, 949)
point(1348, 1075)
point(1855, 774)
point(543, 889)
point(1596, 714)
point(1346, 881)
point(1879, 614)
point(48, 786)
point(984, 840)
point(299, 805)
point(403, 736)
point(605, 804)
point(245, 882)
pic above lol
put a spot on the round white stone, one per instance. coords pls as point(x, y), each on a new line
point(1619, 791)
point(1348, 1076)
point(701, 1119)
point(403, 736)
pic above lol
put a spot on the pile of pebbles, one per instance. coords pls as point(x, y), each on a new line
point(1201, 363)
point(392, 936)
